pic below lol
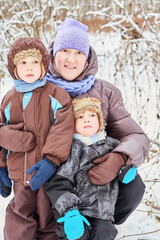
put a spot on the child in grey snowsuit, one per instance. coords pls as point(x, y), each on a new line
point(72, 195)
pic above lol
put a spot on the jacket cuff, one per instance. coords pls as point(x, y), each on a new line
point(124, 156)
point(69, 209)
point(53, 159)
point(52, 163)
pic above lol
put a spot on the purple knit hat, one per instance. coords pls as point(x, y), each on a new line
point(72, 34)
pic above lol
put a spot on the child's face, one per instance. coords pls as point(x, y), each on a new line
point(29, 69)
point(87, 123)
point(70, 63)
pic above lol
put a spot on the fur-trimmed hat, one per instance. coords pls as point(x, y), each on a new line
point(88, 104)
point(24, 47)
point(72, 34)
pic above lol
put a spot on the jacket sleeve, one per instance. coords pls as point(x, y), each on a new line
point(13, 137)
point(60, 136)
point(3, 152)
point(60, 188)
point(1, 125)
point(133, 141)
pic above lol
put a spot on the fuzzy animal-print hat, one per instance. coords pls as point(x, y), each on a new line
point(89, 104)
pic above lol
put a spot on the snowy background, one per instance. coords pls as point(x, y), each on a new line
point(128, 54)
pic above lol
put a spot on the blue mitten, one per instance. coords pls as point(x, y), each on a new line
point(73, 224)
point(127, 174)
point(5, 183)
point(45, 171)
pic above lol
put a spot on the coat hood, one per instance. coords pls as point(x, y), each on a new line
point(24, 44)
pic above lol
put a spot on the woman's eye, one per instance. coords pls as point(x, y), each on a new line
point(79, 52)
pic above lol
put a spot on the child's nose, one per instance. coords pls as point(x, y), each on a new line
point(29, 67)
point(86, 120)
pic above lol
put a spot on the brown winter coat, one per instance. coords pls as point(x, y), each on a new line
point(53, 132)
point(133, 141)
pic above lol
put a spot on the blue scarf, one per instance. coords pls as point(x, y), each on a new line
point(22, 86)
point(89, 140)
point(73, 88)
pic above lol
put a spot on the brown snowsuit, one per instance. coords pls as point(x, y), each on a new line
point(46, 112)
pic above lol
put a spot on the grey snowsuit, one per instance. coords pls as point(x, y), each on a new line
point(71, 188)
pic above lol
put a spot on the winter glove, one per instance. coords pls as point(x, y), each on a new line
point(73, 224)
point(107, 168)
point(127, 174)
point(5, 183)
point(45, 171)
point(11, 138)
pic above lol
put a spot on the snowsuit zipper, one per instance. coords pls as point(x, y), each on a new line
point(25, 155)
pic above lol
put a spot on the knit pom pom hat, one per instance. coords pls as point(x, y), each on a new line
point(89, 104)
point(72, 34)
point(27, 47)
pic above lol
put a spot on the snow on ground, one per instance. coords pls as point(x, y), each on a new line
point(143, 223)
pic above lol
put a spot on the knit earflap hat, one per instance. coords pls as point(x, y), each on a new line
point(89, 104)
point(72, 34)
point(24, 47)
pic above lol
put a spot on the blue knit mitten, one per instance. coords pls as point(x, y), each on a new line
point(5, 183)
point(45, 171)
point(73, 224)
point(127, 174)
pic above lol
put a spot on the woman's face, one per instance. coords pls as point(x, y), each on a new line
point(70, 63)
